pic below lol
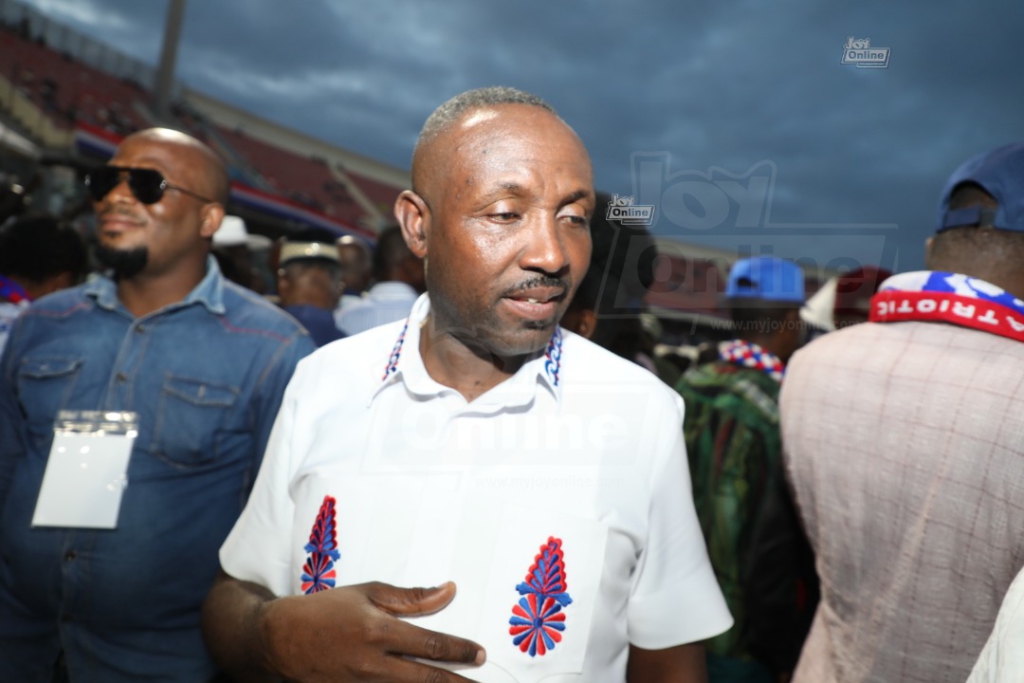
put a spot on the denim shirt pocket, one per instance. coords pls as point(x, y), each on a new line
point(45, 385)
point(189, 418)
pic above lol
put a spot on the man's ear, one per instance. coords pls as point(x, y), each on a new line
point(212, 216)
point(587, 323)
point(928, 243)
point(413, 215)
point(284, 285)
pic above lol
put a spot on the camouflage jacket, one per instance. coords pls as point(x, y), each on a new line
point(733, 445)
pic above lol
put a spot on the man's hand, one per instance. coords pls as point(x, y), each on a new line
point(350, 633)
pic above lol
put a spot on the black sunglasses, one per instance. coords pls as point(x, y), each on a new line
point(146, 184)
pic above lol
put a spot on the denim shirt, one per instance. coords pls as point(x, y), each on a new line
point(206, 377)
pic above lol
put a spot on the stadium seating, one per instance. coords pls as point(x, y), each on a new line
point(68, 91)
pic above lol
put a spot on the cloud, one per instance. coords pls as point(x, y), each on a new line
point(710, 84)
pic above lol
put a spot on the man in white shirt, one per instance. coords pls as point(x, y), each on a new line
point(1002, 660)
point(475, 444)
point(400, 279)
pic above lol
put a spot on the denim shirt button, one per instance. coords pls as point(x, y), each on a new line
point(139, 329)
point(70, 555)
point(121, 377)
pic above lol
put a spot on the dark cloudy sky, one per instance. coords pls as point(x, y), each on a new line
point(855, 158)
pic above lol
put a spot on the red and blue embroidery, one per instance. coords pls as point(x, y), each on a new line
point(318, 572)
point(396, 353)
point(538, 621)
point(553, 356)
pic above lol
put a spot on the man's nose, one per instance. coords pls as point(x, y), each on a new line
point(545, 249)
point(119, 192)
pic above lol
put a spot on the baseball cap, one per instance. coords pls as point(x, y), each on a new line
point(291, 251)
point(1000, 172)
point(766, 278)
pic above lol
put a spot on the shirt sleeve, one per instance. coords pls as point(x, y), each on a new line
point(258, 547)
point(1002, 660)
point(674, 598)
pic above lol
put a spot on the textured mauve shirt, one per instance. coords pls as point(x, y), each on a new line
point(905, 446)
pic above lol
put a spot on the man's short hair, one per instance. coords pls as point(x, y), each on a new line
point(38, 247)
point(452, 110)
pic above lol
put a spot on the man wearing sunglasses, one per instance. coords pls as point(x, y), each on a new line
point(202, 362)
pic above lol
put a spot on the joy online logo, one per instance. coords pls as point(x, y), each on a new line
point(858, 51)
point(625, 212)
point(735, 209)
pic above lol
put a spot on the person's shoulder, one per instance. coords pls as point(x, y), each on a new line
point(359, 306)
point(832, 346)
point(61, 300)
point(747, 393)
point(57, 307)
point(248, 309)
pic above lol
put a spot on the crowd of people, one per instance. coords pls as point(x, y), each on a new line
point(455, 455)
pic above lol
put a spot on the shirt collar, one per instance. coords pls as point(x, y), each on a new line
point(209, 292)
point(405, 365)
point(391, 290)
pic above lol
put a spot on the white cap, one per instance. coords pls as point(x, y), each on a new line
point(231, 232)
point(819, 308)
point(291, 251)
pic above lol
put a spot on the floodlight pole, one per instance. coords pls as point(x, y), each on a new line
point(168, 57)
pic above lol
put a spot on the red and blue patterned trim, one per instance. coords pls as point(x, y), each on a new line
point(750, 355)
point(396, 353)
point(553, 356)
point(318, 572)
point(537, 621)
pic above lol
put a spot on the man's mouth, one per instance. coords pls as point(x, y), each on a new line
point(539, 295)
point(537, 304)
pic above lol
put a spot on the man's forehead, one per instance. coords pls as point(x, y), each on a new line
point(493, 136)
point(155, 153)
point(507, 120)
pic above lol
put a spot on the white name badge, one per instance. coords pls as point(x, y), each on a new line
point(86, 471)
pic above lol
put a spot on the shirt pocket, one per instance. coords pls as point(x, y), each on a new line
point(45, 385)
point(542, 587)
point(190, 418)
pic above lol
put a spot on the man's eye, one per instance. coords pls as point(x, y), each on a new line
point(505, 216)
point(577, 220)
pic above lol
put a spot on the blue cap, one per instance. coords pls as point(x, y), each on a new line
point(1000, 172)
point(766, 278)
